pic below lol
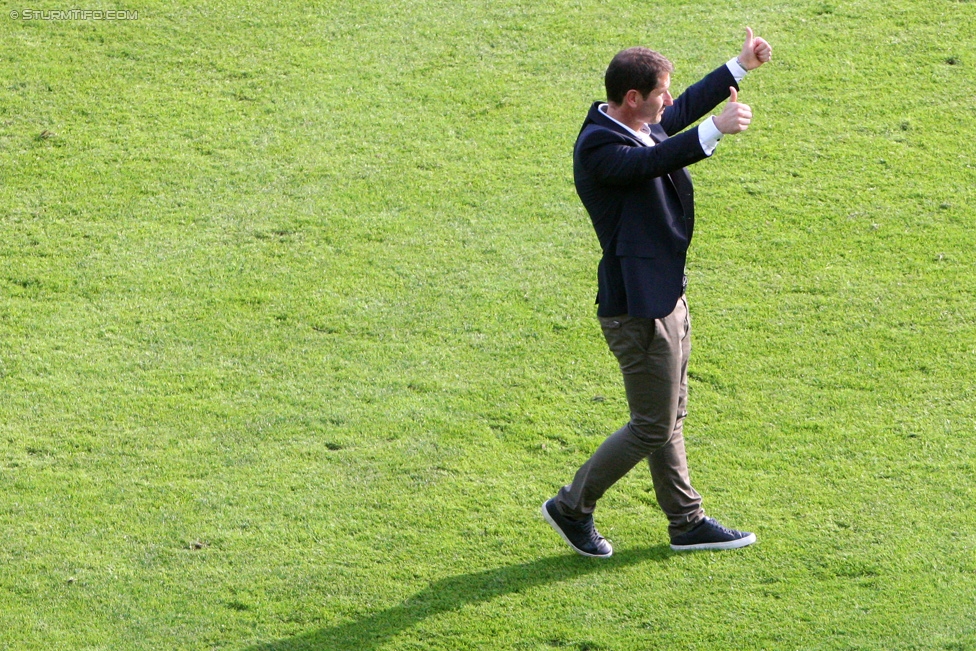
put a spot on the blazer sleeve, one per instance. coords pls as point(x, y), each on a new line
point(698, 99)
point(612, 159)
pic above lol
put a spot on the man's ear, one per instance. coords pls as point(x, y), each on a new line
point(630, 99)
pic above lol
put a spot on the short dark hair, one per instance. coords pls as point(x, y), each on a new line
point(636, 68)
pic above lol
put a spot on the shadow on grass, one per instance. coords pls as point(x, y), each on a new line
point(454, 593)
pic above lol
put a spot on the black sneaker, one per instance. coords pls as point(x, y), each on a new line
point(709, 534)
point(581, 535)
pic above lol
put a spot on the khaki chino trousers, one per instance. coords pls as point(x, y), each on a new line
point(653, 356)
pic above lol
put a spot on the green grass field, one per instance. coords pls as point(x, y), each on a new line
point(297, 330)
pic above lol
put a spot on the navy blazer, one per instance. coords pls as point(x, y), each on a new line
point(641, 199)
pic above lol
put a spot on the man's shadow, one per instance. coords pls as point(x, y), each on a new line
point(453, 593)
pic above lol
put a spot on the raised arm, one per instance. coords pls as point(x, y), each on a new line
point(700, 98)
point(609, 159)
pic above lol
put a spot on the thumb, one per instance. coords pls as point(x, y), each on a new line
point(749, 37)
point(733, 94)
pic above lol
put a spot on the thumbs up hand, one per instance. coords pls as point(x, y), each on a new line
point(735, 117)
point(755, 51)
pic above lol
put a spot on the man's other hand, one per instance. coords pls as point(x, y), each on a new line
point(735, 117)
point(755, 51)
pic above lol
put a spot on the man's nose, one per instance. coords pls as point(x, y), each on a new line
point(668, 100)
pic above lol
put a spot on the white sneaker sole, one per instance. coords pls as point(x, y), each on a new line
point(552, 523)
point(732, 544)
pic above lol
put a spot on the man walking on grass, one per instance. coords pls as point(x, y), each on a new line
point(629, 165)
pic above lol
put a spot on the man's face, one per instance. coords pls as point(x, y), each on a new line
point(651, 109)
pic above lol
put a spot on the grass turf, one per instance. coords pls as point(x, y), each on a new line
point(296, 331)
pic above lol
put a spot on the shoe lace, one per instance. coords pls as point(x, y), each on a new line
point(721, 527)
point(588, 528)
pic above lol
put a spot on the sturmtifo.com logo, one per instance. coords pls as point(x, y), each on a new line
point(74, 14)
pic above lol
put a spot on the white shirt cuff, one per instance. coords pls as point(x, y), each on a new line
point(737, 71)
point(708, 136)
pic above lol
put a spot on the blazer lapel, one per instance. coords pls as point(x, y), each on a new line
point(681, 180)
point(658, 134)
